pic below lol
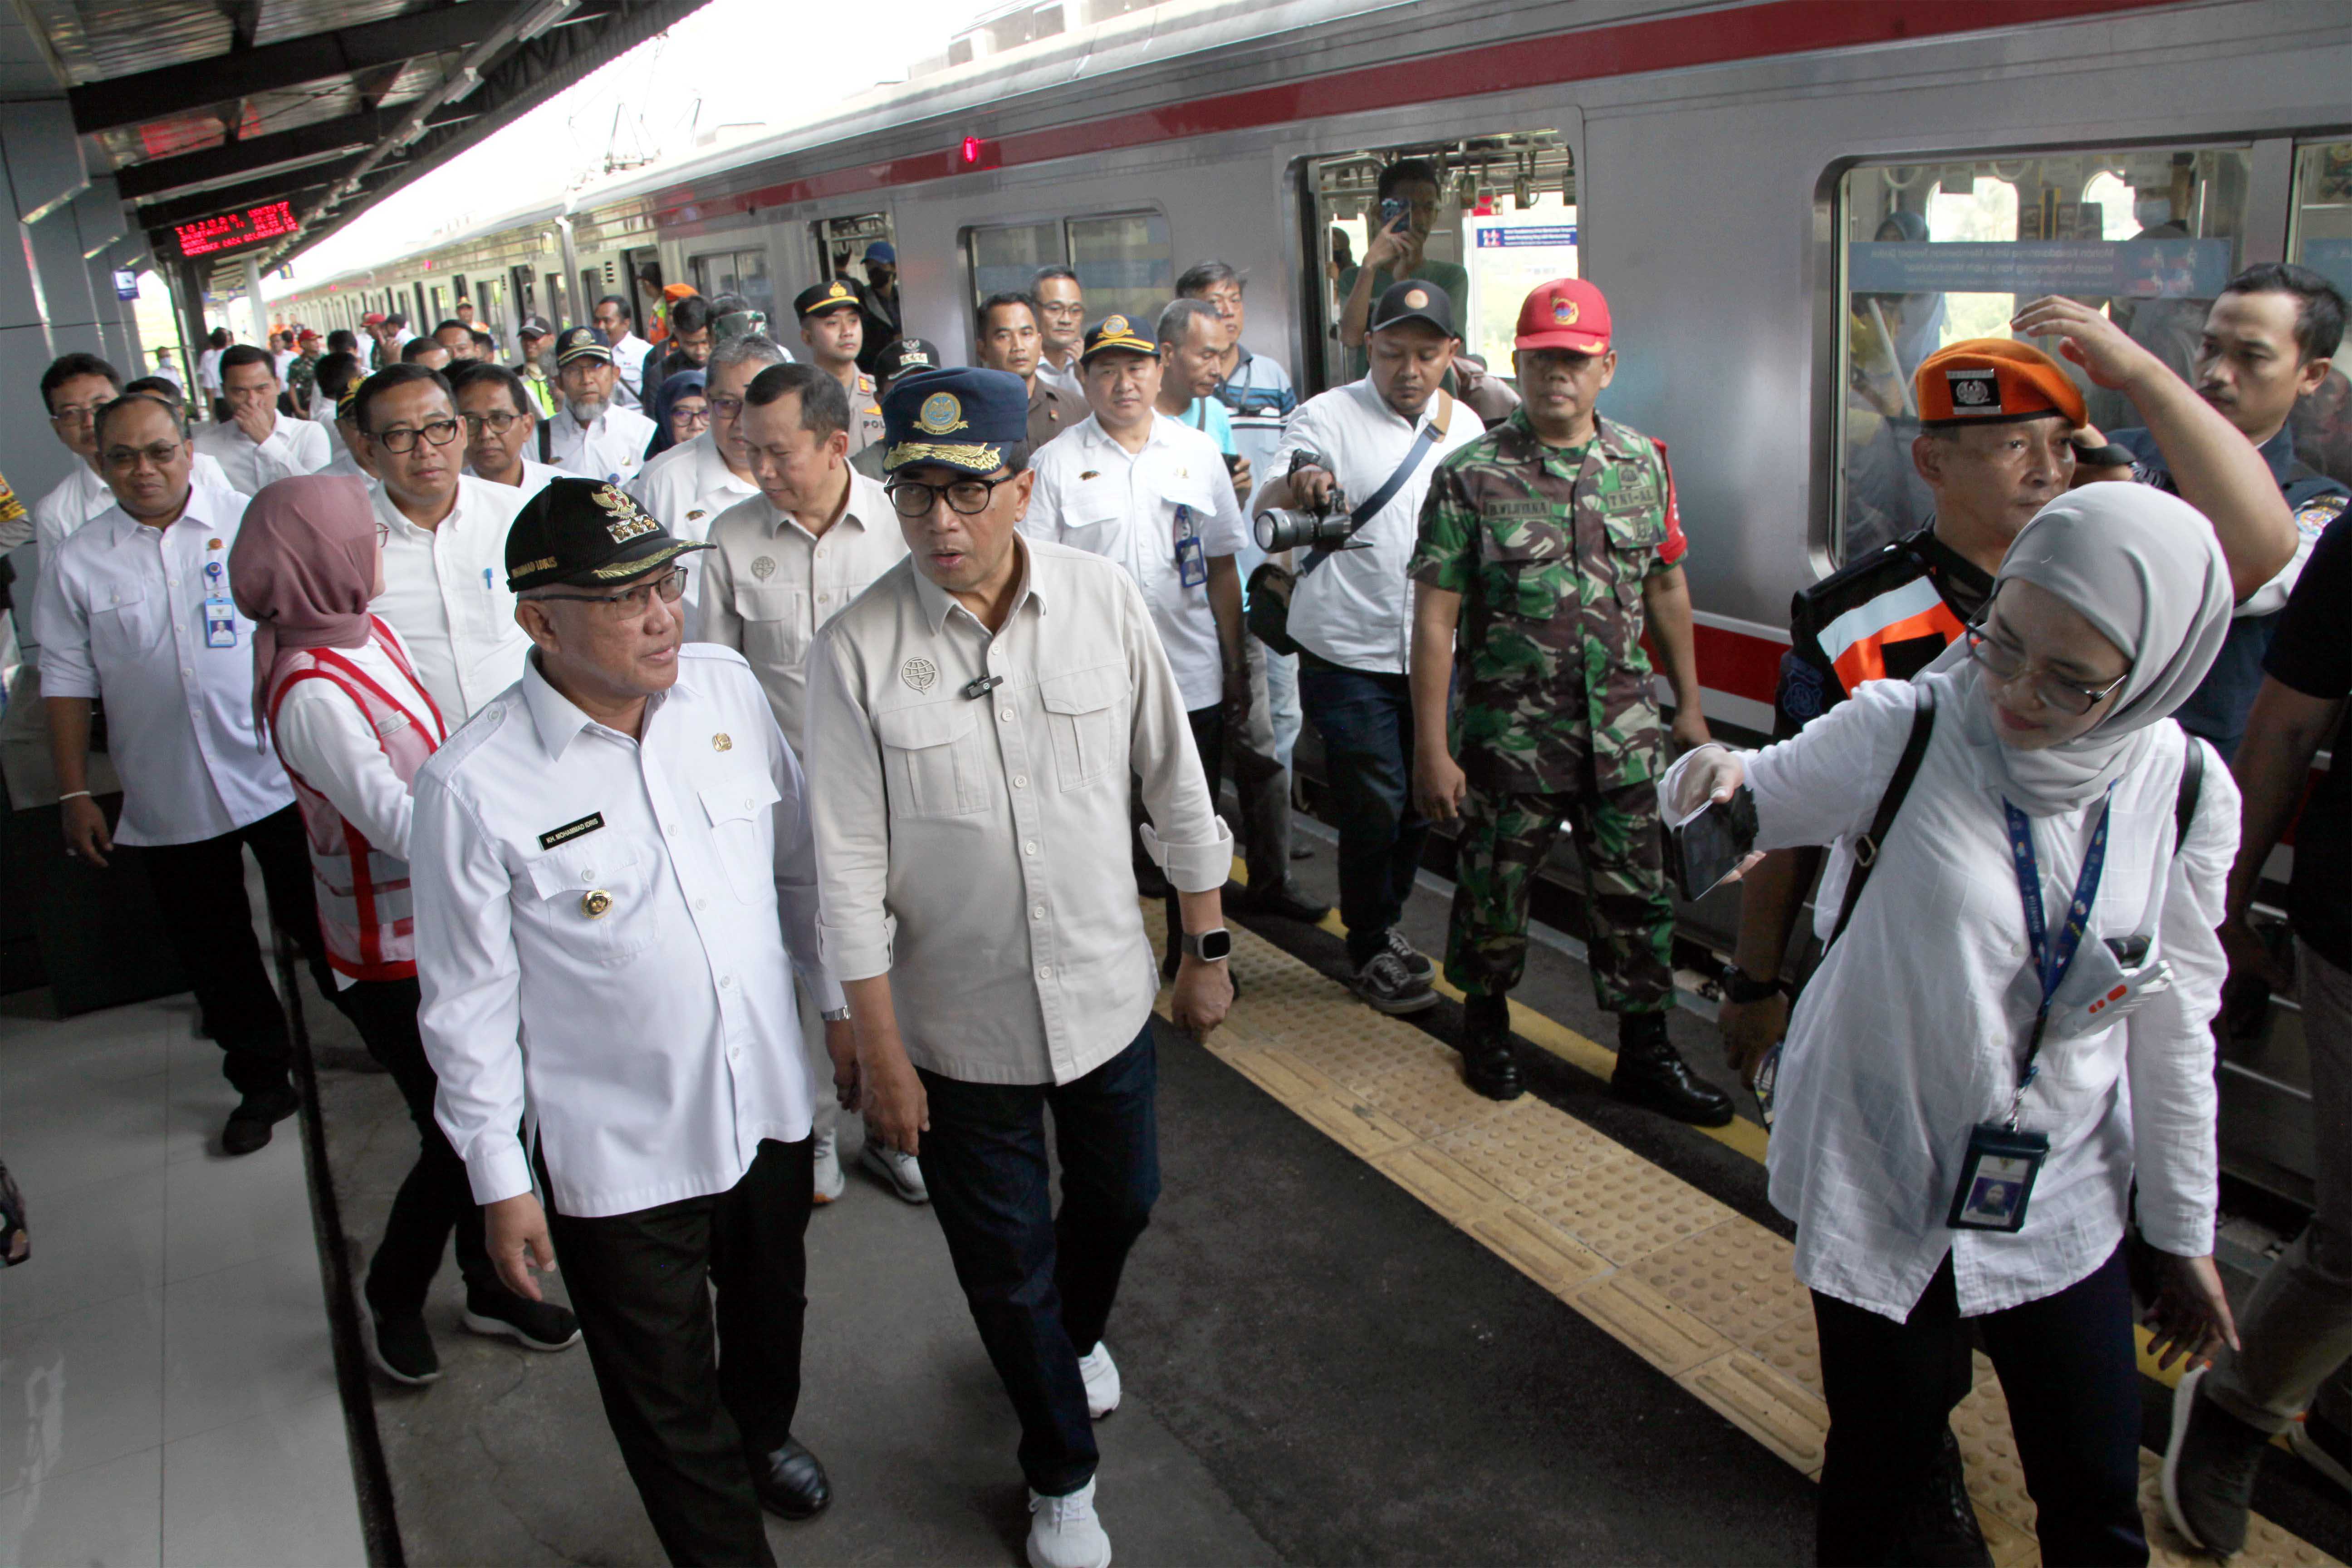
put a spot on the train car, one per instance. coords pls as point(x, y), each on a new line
point(1788, 202)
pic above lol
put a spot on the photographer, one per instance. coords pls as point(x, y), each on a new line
point(1362, 455)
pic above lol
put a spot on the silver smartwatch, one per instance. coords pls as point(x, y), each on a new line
point(1210, 946)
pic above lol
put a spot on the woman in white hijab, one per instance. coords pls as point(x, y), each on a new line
point(2010, 1032)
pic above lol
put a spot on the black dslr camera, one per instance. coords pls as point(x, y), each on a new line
point(1289, 528)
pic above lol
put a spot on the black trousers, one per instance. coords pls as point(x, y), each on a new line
point(435, 1200)
point(2067, 1369)
point(1041, 1285)
point(690, 1416)
point(200, 890)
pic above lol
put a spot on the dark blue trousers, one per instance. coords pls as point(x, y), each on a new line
point(1366, 723)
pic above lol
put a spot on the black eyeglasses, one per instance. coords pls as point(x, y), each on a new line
point(403, 439)
point(124, 459)
point(671, 585)
point(500, 423)
point(2007, 665)
point(968, 498)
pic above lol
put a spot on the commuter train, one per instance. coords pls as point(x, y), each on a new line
point(1751, 185)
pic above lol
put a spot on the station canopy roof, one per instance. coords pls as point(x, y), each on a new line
point(252, 128)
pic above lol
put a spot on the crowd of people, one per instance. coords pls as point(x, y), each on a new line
point(659, 753)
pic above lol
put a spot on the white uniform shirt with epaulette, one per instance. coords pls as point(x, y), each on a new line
point(611, 447)
point(606, 931)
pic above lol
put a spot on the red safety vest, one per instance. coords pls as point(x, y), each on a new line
point(365, 910)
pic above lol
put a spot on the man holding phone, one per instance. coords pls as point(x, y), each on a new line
point(1410, 191)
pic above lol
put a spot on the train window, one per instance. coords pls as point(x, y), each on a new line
point(743, 272)
point(2323, 242)
point(556, 301)
point(1936, 252)
point(1006, 258)
point(1489, 217)
point(841, 243)
point(1125, 263)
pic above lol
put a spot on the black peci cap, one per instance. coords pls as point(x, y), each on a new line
point(585, 531)
point(1414, 300)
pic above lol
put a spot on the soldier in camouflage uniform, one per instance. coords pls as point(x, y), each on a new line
point(1549, 543)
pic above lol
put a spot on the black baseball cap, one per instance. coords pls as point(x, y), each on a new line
point(533, 327)
point(581, 342)
point(1115, 332)
point(903, 355)
point(587, 532)
point(1414, 300)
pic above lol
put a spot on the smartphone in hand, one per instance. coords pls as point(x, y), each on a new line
point(1710, 846)
point(1395, 213)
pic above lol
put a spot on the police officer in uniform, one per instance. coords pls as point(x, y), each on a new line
point(1557, 532)
point(903, 357)
point(832, 325)
point(614, 885)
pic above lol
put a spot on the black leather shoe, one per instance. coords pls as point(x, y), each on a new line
point(1281, 898)
point(1939, 1530)
point(249, 1124)
point(1652, 1075)
point(1490, 1065)
point(790, 1482)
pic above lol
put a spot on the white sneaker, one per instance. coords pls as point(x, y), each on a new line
point(1101, 1374)
point(829, 1183)
point(1064, 1533)
point(899, 1171)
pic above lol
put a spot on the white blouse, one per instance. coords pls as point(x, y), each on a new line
point(1913, 1029)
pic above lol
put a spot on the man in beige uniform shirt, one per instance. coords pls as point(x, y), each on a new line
point(974, 720)
point(784, 563)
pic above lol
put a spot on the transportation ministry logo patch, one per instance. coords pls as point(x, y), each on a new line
point(1114, 326)
point(1974, 391)
point(763, 567)
point(941, 414)
point(921, 673)
point(628, 520)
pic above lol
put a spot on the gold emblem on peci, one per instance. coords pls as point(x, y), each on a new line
point(629, 520)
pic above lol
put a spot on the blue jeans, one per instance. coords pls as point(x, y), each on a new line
point(1040, 1285)
point(1366, 723)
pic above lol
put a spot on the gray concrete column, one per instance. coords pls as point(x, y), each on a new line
point(254, 301)
point(45, 299)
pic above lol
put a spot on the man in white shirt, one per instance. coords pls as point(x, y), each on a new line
point(337, 374)
point(168, 370)
point(1062, 330)
point(445, 541)
point(1351, 615)
point(690, 485)
point(281, 354)
point(136, 610)
point(502, 428)
point(258, 445)
point(208, 381)
point(969, 761)
point(592, 436)
point(617, 319)
point(614, 885)
point(781, 564)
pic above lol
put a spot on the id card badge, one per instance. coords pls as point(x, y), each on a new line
point(1997, 1178)
point(1191, 560)
point(220, 624)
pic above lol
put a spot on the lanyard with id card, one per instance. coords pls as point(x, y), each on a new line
point(220, 613)
point(1191, 559)
point(2002, 1162)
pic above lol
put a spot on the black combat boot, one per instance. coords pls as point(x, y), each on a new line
point(1650, 1074)
point(1489, 1064)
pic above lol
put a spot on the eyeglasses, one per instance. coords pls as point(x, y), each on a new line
point(383, 534)
point(1078, 309)
point(968, 498)
point(124, 459)
point(689, 415)
point(500, 423)
point(401, 439)
point(2007, 665)
point(726, 407)
point(75, 412)
point(671, 585)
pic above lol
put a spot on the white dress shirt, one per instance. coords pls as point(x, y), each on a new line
point(58, 516)
point(1064, 380)
point(1891, 1058)
point(770, 583)
point(444, 591)
point(629, 357)
point(654, 1045)
point(1355, 609)
point(294, 447)
point(535, 475)
point(208, 370)
point(611, 449)
point(687, 492)
point(979, 851)
point(122, 617)
point(1093, 495)
point(325, 421)
point(347, 467)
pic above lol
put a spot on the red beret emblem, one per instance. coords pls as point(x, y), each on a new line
point(1563, 311)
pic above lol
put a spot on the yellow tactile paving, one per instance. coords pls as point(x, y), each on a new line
point(1701, 1292)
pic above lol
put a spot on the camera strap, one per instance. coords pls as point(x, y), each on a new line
point(1431, 434)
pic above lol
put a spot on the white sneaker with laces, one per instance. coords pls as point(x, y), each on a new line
point(1101, 1374)
point(829, 1183)
point(902, 1172)
point(1064, 1533)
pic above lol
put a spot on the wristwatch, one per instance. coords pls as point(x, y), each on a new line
point(1741, 987)
point(1210, 946)
point(835, 1015)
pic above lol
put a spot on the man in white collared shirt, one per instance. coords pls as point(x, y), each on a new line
point(781, 564)
point(974, 720)
point(258, 445)
point(614, 885)
point(1351, 615)
point(617, 319)
point(502, 428)
point(689, 486)
point(592, 434)
point(136, 610)
point(1062, 328)
point(444, 545)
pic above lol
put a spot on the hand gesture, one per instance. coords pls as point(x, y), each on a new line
point(1714, 773)
point(256, 420)
point(1389, 246)
point(2086, 337)
point(1311, 487)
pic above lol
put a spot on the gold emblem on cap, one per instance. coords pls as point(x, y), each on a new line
point(1563, 311)
point(919, 673)
point(941, 412)
point(722, 741)
point(1114, 326)
point(839, 290)
point(595, 903)
point(1417, 299)
point(763, 567)
point(629, 521)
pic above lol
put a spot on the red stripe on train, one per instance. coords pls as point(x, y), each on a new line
point(1669, 43)
point(1736, 663)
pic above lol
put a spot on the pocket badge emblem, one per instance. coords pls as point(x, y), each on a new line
point(722, 741)
point(763, 567)
point(595, 903)
point(919, 673)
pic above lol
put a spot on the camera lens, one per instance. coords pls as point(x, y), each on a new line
point(1287, 527)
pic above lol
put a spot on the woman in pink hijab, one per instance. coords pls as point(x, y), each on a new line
point(335, 687)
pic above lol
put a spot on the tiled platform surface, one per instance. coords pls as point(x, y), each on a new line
point(1704, 1294)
